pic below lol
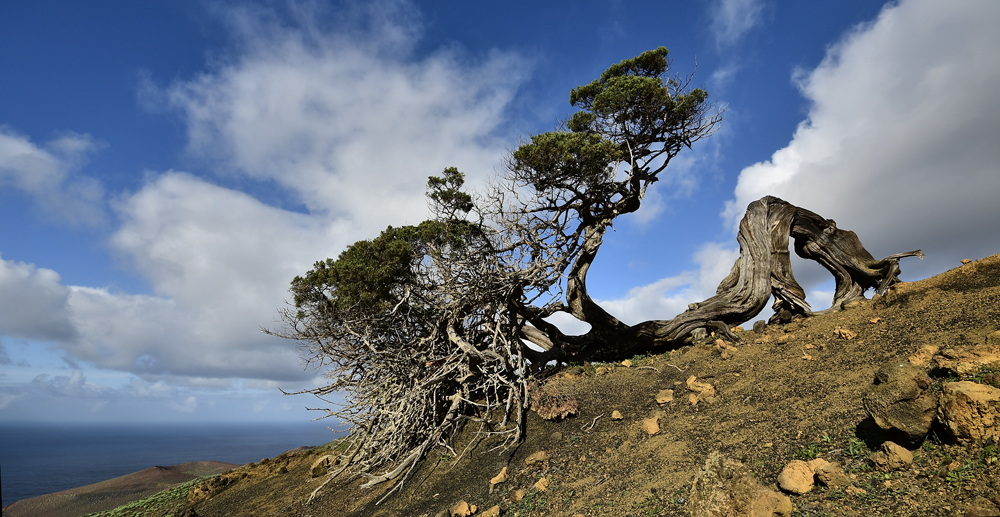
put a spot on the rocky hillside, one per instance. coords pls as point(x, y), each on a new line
point(889, 407)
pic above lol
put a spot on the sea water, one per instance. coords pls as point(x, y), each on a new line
point(41, 459)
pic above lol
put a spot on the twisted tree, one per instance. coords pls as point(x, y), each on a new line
point(424, 328)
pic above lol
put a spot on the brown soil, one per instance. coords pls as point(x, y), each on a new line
point(112, 493)
point(790, 392)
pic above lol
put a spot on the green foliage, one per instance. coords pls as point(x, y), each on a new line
point(446, 193)
point(372, 276)
point(558, 160)
point(167, 500)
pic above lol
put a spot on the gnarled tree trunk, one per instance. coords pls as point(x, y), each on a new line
point(762, 271)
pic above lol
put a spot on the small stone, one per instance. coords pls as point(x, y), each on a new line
point(759, 326)
point(601, 370)
point(892, 457)
point(321, 465)
point(736, 329)
point(556, 436)
point(542, 485)
point(966, 261)
point(499, 478)
point(517, 495)
point(664, 396)
point(703, 391)
point(537, 457)
point(616, 415)
point(810, 346)
point(651, 425)
point(982, 507)
point(492, 512)
point(807, 357)
point(922, 357)
point(796, 477)
point(853, 490)
point(627, 363)
point(875, 320)
point(844, 333)
point(460, 509)
point(829, 474)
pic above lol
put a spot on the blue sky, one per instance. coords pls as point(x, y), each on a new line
point(166, 167)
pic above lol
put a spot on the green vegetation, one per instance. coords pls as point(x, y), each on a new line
point(162, 503)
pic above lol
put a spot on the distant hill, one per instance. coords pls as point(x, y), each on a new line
point(112, 493)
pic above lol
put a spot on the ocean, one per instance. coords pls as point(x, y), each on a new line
point(41, 459)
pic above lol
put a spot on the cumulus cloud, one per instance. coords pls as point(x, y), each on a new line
point(900, 143)
point(33, 303)
point(49, 175)
point(341, 119)
point(733, 19)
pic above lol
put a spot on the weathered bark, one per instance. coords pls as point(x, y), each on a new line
point(762, 271)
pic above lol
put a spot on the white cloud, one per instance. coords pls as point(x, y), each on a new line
point(733, 19)
point(348, 123)
point(900, 144)
point(49, 175)
point(33, 303)
point(668, 297)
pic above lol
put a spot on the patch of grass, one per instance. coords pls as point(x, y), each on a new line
point(808, 452)
point(163, 502)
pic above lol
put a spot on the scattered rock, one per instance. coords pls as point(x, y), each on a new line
point(537, 457)
point(627, 363)
point(899, 401)
point(462, 509)
point(664, 396)
point(517, 495)
point(892, 457)
point(853, 490)
point(844, 333)
point(725, 487)
point(651, 425)
point(970, 411)
point(542, 485)
point(616, 415)
point(966, 261)
point(499, 478)
point(492, 512)
point(875, 320)
point(828, 474)
point(703, 391)
point(853, 304)
point(796, 477)
point(759, 326)
point(922, 357)
point(556, 436)
point(321, 466)
point(601, 370)
point(967, 359)
point(982, 508)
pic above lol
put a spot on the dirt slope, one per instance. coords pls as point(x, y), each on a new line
point(792, 391)
point(112, 493)
point(789, 392)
